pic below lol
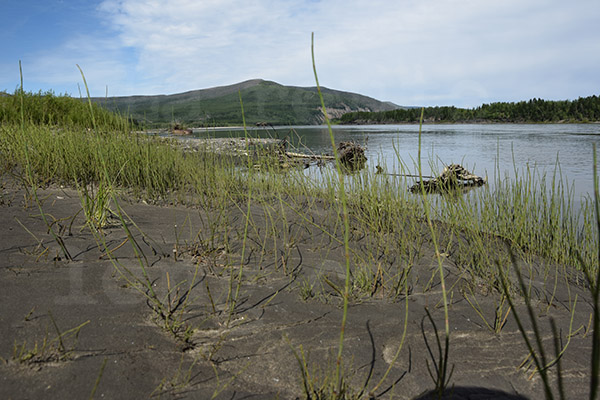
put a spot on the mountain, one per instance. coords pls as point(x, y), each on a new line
point(263, 102)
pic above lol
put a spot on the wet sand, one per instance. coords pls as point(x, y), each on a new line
point(245, 351)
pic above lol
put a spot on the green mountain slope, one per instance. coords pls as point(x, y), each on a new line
point(264, 102)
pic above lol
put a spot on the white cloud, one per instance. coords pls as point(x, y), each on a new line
point(460, 52)
point(188, 45)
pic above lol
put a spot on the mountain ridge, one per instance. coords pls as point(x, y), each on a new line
point(263, 101)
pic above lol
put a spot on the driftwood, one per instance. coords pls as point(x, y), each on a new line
point(178, 130)
point(453, 177)
point(308, 156)
point(181, 132)
point(351, 155)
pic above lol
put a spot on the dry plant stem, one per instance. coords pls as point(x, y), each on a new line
point(40, 242)
point(342, 195)
point(114, 249)
point(98, 378)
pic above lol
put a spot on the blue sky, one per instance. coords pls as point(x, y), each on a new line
point(411, 52)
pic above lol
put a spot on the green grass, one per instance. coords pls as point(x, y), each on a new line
point(59, 348)
point(533, 214)
point(47, 108)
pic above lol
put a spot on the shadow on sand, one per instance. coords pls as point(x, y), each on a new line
point(471, 393)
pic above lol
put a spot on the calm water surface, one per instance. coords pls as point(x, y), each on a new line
point(482, 148)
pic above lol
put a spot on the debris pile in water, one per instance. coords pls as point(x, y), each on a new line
point(352, 156)
point(454, 177)
point(179, 130)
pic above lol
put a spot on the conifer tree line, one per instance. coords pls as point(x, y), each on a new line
point(584, 109)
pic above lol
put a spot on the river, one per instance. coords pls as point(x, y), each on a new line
point(484, 149)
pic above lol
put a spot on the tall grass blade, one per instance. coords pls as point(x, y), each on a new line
point(342, 196)
point(443, 377)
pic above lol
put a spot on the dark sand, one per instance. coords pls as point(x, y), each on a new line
point(247, 354)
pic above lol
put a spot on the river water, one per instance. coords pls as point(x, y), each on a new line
point(484, 149)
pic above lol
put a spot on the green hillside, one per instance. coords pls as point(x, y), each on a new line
point(264, 102)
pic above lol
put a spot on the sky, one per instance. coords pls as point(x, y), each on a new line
point(411, 52)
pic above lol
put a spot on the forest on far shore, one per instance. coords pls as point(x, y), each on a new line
point(584, 109)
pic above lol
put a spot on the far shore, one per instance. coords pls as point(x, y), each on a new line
point(466, 122)
point(370, 123)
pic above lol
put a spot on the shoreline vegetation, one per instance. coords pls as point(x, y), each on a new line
point(225, 280)
point(582, 110)
point(49, 108)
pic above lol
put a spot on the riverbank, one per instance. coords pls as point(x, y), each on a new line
point(463, 122)
point(145, 307)
point(132, 266)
